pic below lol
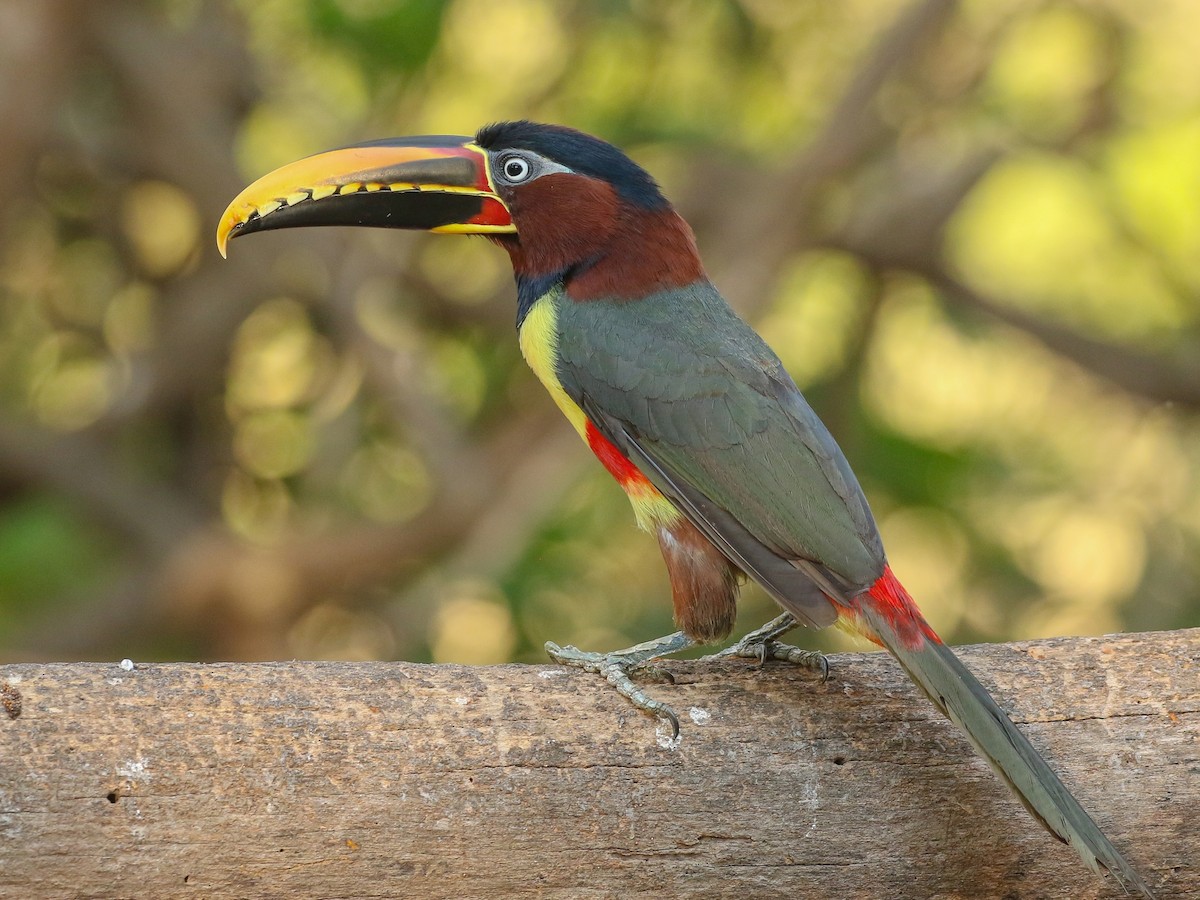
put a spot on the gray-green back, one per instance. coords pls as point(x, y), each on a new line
point(697, 391)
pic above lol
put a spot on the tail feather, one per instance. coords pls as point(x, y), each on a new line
point(896, 623)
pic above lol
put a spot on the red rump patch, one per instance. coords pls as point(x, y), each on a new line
point(626, 473)
point(896, 607)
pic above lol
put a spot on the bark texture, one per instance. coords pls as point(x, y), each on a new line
point(400, 780)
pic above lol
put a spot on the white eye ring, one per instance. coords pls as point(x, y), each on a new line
point(515, 169)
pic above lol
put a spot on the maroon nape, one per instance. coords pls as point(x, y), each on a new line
point(650, 251)
point(620, 251)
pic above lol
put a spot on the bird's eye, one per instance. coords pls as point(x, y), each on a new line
point(516, 169)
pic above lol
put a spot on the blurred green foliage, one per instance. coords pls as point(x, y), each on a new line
point(329, 447)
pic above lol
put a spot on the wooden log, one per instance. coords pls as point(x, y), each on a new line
point(401, 780)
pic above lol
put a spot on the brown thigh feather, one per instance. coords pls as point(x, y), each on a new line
point(704, 584)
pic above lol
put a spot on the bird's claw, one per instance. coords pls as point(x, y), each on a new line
point(619, 667)
point(617, 673)
point(808, 659)
point(761, 644)
point(763, 651)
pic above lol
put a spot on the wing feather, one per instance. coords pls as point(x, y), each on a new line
point(694, 398)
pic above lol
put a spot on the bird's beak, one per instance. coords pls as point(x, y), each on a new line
point(439, 183)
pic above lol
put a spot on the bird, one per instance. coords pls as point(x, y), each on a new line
point(692, 413)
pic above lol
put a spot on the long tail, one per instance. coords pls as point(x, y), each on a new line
point(888, 615)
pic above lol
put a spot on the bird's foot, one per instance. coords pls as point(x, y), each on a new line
point(619, 667)
point(762, 644)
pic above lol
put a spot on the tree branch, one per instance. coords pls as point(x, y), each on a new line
point(1172, 377)
point(766, 219)
point(388, 780)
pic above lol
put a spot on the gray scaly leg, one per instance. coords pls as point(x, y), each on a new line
point(761, 644)
point(618, 667)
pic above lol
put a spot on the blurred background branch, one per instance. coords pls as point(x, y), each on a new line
point(972, 233)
